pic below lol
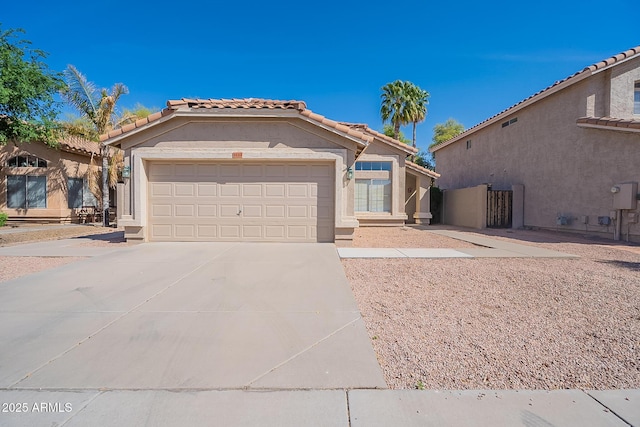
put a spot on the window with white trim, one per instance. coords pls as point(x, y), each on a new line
point(79, 194)
point(636, 98)
point(373, 195)
point(26, 191)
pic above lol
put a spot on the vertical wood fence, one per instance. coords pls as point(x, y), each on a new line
point(499, 208)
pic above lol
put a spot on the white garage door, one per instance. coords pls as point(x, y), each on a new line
point(281, 202)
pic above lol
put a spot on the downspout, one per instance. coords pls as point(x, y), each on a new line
point(618, 226)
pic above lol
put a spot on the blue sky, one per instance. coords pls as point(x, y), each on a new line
point(474, 58)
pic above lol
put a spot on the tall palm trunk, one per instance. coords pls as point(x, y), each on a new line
point(413, 156)
point(396, 129)
point(105, 185)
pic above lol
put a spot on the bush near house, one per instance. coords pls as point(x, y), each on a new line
point(3, 218)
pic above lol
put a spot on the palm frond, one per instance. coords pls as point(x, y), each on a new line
point(79, 92)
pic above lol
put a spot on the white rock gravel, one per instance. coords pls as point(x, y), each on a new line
point(505, 323)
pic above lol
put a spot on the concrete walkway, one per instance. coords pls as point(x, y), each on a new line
point(339, 408)
point(487, 248)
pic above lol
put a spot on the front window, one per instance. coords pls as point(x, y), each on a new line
point(26, 192)
point(79, 194)
point(636, 98)
point(373, 195)
point(373, 166)
point(26, 162)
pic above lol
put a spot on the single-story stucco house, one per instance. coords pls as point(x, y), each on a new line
point(39, 183)
point(571, 154)
point(262, 170)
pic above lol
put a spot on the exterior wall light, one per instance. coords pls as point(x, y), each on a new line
point(126, 172)
point(350, 173)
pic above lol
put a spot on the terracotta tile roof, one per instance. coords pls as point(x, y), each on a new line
point(585, 72)
point(422, 170)
point(610, 122)
point(384, 138)
point(237, 103)
point(76, 144)
point(248, 103)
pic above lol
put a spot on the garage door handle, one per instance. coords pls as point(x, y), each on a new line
point(239, 212)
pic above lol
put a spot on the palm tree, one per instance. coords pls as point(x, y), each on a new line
point(98, 108)
point(417, 101)
point(394, 105)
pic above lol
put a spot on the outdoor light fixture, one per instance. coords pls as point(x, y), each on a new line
point(350, 173)
point(126, 172)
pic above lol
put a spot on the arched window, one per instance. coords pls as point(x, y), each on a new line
point(26, 162)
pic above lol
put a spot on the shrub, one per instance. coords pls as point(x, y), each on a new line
point(3, 218)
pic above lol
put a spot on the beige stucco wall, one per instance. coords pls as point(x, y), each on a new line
point(61, 165)
point(466, 207)
point(216, 139)
point(565, 169)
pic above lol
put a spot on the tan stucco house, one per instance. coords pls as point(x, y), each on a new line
point(571, 153)
point(39, 183)
point(262, 170)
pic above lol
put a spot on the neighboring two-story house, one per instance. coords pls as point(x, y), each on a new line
point(571, 151)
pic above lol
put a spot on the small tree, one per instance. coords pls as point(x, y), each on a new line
point(443, 132)
point(389, 131)
point(97, 107)
point(27, 90)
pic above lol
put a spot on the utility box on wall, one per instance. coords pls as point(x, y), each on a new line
point(624, 195)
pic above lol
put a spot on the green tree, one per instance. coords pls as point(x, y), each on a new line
point(417, 101)
point(394, 106)
point(443, 132)
point(27, 88)
point(138, 112)
point(424, 159)
point(97, 107)
point(389, 131)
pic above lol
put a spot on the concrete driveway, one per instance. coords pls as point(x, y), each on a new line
point(186, 316)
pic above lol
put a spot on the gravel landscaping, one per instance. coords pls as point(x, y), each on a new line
point(12, 267)
point(503, 323)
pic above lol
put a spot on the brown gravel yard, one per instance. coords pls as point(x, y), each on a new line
point(498, 323)
point(13, 267)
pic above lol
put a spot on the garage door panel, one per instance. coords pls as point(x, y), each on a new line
point(249, 211)
point(184, 190)
point(229, 190)
point(208, 211)
point(252, 171)
point(274, 190)
point(252, 231)
point(207, 170)
point(231, 202)
point(230, 231)
point(207, 190)
point(185, 211)
point(252, 190)
point(229, 171)
point(158, 210)
point(187, 170)
point(229, 211)
point(161, 189)
point(185, 231)
point(297, 190)
point(207, 231)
